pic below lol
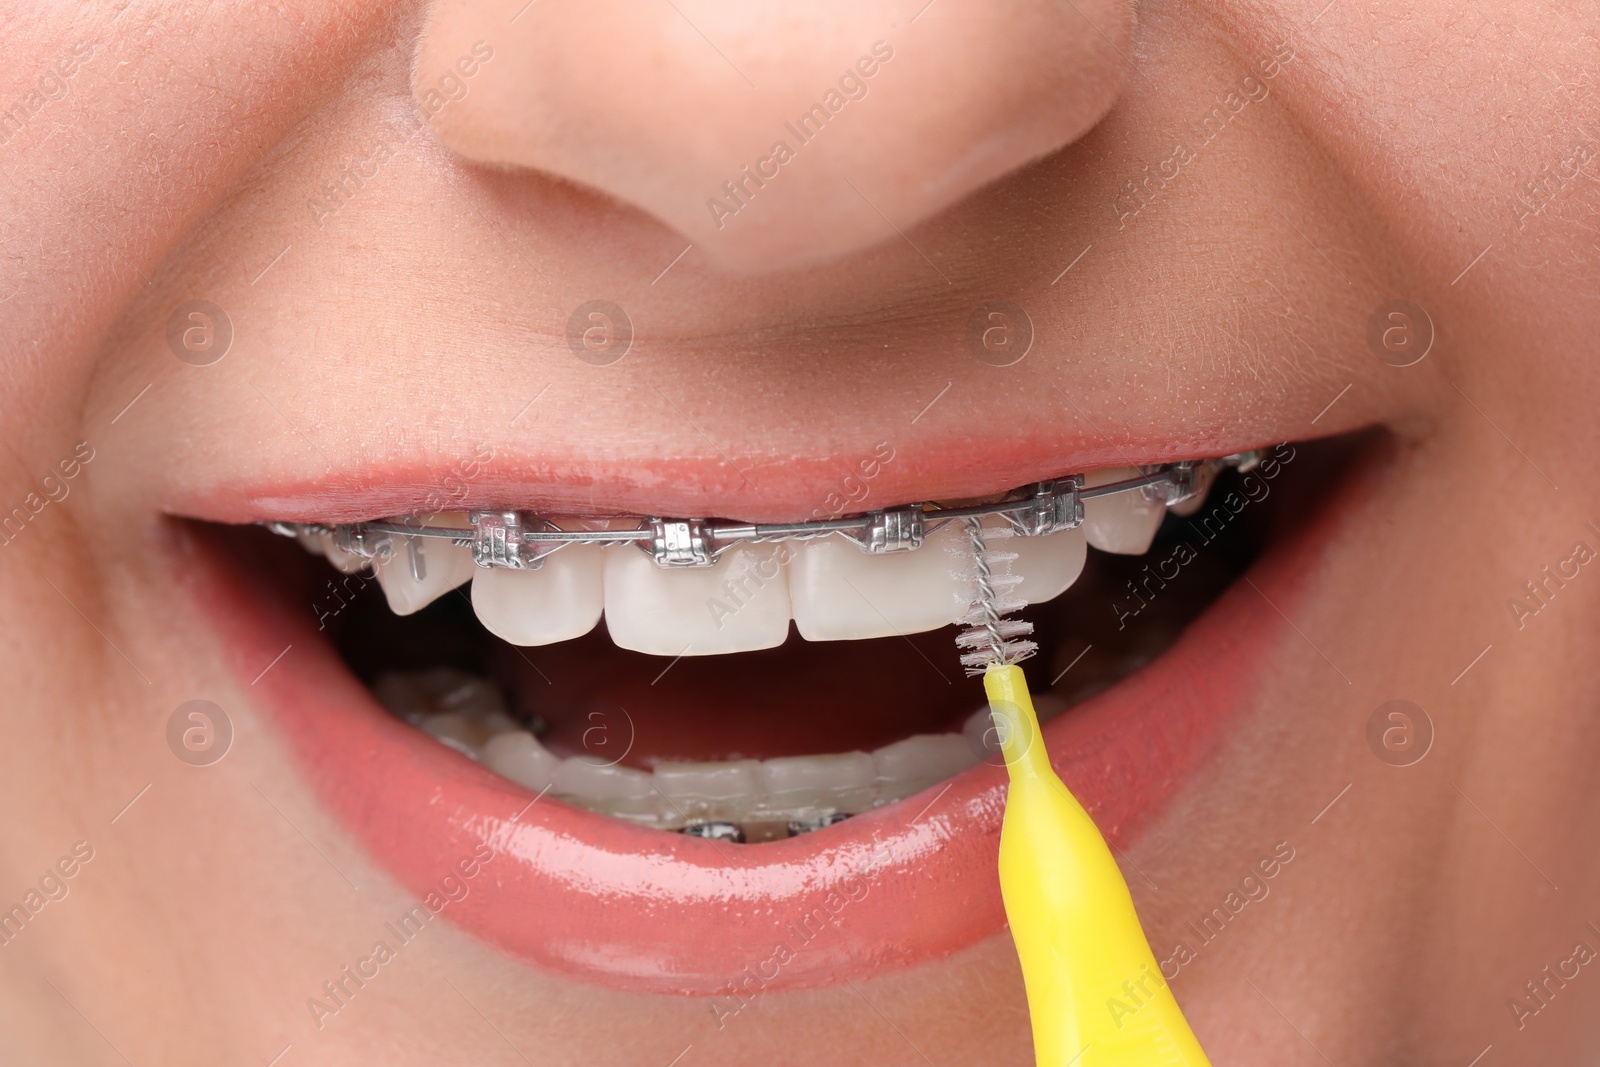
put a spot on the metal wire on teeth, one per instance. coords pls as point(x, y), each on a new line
point(522, 540)
point(988, 638)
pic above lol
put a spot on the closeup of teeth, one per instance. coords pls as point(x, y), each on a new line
point(468, 714)
point(1124, 523)
point(739, 605)
point(441, 565)
point(557, 602)
point(1048, 565)
point(841, 593)
point(829, 588)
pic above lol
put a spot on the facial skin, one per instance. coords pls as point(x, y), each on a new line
point(1442, 155)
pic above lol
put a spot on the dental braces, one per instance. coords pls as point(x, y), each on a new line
point(521, 540)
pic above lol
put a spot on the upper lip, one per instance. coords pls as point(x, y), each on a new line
point(745, 490)
point(602, 901)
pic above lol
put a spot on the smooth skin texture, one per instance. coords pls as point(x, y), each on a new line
point(1440, 153)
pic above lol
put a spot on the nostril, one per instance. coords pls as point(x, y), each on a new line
point(771, 139)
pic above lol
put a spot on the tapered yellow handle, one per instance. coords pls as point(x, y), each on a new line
point(1095, 992)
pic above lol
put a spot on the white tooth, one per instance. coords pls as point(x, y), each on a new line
point(456, 731)
point(738, 605)
point(1048, 565)
point(1207, 475)
point(444, 567)
point(1124, 523)
point(556, 602)
point(458, 691)
point(910, 766)
point(723, 790)
point(606, 787)
point(495, 723)
point(401, 695)
point(347, 562)
point(520, 757)
point(410, 694)
point(841, 782)
point(842, 593)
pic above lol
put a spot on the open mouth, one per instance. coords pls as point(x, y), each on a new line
point(674, 767)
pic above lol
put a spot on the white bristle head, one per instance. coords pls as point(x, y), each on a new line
point(988, 638)
point(977, 663)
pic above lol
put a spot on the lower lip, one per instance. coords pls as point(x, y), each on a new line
point(600, 901)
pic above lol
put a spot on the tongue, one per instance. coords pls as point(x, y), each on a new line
point(801, 698)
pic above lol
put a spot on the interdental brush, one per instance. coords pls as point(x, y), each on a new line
point(1096, 994)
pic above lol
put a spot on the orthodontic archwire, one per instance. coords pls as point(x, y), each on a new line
point(1096, 994)
point(521, 540)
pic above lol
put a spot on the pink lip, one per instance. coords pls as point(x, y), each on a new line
point(753, 491)
point(600, 901)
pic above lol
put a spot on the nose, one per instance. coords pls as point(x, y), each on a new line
point(771, 134)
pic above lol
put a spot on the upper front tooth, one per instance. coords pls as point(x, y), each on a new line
point(557, 601)
point(443, 566)
point(1048, 565)
point(842, 593)
point(1124, 523)
point(738, 605)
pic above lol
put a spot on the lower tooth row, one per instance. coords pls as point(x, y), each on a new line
point(790, 793)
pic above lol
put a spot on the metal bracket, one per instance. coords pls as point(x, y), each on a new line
point(679, 543)
point(357, 540)
point(1052, 506)
point(891, 530)
point(1181, 482)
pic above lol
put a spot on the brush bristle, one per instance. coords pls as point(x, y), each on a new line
point(988, 638)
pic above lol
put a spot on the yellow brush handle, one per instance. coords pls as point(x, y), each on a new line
point(1095, 992)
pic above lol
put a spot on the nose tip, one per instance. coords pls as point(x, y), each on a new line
point(772, 136)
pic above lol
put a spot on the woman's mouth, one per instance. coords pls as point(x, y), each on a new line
point(770, 772)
